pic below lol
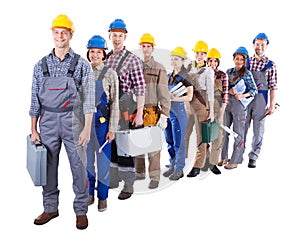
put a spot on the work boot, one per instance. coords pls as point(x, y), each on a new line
point(169, 172)
point(230, 166)
point(252, 163)
point(215, 170)
point(124, 195)
point(91, 200)
point(176, 176)
point(194, 172)
point(102, 205)
point(45, 217)
point(81, 222)
point(153, 184)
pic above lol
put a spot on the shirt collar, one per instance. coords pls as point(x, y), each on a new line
point(150, 63)
point(122, 52)
point(99, 67)
point(70, 53)
point(264, 59)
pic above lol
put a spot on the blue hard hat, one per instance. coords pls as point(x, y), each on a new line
point(241, 50)
point(261, 36)
point(97, 42)
point(117, 24)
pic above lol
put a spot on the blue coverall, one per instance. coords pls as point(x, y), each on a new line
point(175, 132)
point(98, 137)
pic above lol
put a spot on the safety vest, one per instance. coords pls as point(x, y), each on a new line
point(59, 94)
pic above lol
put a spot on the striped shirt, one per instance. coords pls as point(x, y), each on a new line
point(270, 73)
point(131, 77)
point(83, 75)
point(111, 88)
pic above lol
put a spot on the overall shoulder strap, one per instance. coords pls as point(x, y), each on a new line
point(180, 77)
point(73, 65)
point(104, 70)
point(121, 61)
point(45, 67)
point(201, 70)
point(269, 64)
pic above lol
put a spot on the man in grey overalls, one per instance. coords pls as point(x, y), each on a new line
point(62, 98)
point(265, 75)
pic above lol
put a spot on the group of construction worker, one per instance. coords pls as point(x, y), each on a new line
point(82, 103)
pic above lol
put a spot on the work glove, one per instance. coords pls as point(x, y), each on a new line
point(162, 121)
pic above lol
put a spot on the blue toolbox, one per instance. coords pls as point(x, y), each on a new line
point(37, 162)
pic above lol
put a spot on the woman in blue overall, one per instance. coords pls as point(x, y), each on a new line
point(105, 122)
point(242, 89)
point(177, 123)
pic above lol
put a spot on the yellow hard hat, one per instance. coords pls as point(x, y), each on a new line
point(179, 51)
point(63, 21)
point(147, 38)
point(213, 53)
point(200, 46)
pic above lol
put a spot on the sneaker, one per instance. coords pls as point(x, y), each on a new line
point(102, 205)
point(91, 200)
point(169, 172)
point(176, 176)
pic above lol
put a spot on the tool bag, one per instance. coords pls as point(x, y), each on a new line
point(37, 162)
point(210, 130)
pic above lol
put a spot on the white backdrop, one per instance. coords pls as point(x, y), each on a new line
point(242, 203)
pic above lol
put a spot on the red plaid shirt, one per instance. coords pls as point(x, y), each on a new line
point(131, 77)
point(270, 73)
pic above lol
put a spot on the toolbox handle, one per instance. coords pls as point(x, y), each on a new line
point(37, 143)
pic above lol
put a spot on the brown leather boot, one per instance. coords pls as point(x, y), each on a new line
point(81, 221)
point(45, 217)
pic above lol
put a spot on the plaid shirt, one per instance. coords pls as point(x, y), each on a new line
point(111, 88)
point(248, 78)
point(131, 77)
point(225, 84)
point(270, 73)
point(83, 74)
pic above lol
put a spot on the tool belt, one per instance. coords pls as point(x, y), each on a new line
point(151, 115)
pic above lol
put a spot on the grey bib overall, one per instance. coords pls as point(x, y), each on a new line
point(256, 111)
point(61, 121)
point(235, 114)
